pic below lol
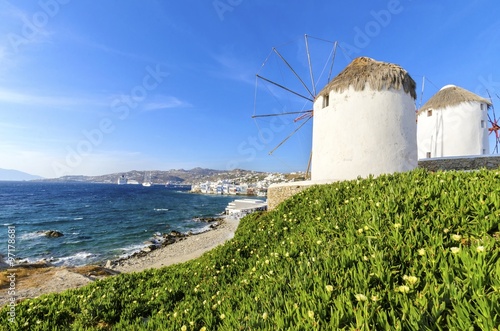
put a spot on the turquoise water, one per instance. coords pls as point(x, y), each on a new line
point(99, 221)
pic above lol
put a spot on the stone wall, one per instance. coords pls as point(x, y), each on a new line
point(278, 193)
point(460, 163)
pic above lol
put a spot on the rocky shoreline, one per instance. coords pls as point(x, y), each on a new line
point(34, 280)
point(162, 240)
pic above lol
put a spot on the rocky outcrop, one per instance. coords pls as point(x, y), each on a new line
point(51, 233)
point(159, 241)
point(208, 219)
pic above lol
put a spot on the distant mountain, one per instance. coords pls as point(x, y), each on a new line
point(192, 176)
point(15, 175)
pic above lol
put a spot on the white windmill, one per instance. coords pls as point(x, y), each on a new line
point(456, 122)
point(363, 119)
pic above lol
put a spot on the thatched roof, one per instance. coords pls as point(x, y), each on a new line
point(379, 75)
point(451, 95)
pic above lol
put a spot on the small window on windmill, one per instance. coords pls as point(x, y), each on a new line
point(326, 100)
point(484, 151)
point(482, 122)
point(482, 106)
point(428, 155)
point(429, 113)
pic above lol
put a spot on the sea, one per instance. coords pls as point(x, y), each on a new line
point(99, 222)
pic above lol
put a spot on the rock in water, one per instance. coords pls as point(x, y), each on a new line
point(52, 233)
point(176, 234)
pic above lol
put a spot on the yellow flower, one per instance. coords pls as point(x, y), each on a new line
point(455, 250)
point(360, 230)
point(403, 289)
point(397, 225)
point(203, 328)
point(410, 279)
point(310, 313)
point(264, 316)
point(318, 242)
point(222, 316)
point(374, 298)
point(329, 288)
point(421, 251)
point(360, 297)
point(456, 237)
point(480, 249)
point(184, 328)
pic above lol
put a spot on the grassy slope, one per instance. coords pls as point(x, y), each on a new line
point(410, 251)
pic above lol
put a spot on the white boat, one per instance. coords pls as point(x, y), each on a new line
point(122, 180)
point(147, 181)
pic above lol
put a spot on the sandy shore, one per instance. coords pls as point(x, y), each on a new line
point(189, 248)
point(35, 281)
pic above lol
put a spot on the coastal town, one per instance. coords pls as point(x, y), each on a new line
point(248, 184)
point(207, 181)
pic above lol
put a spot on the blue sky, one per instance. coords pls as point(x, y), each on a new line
point(114, 86)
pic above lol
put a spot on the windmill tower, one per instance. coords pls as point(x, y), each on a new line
point(454, 122)
point(364, 122)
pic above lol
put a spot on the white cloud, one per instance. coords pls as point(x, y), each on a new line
point(165, 102)
point(35, 99)
point(23, 28)
point(231, 67)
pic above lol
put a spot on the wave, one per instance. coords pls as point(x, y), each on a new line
point(79, 258)
point(201, 230)
point(129, 250)
point(78, 218)
point(31, 235)
point(161, 209)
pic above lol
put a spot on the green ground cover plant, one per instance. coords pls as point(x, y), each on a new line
point(411, 251)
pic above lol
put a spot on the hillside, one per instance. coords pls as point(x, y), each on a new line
point(15, 175)
point(194, 175)
point(413, 251)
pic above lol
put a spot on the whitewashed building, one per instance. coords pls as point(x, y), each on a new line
point(242, 207)
point(454, 122)
point(364, 123)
